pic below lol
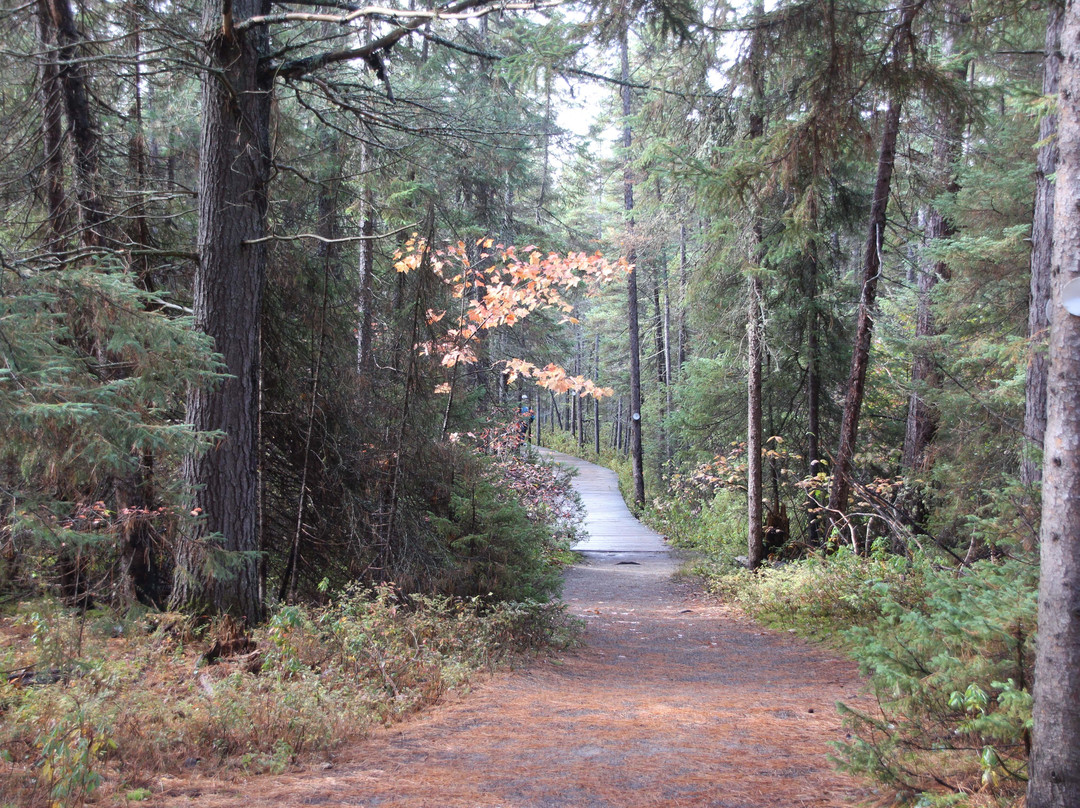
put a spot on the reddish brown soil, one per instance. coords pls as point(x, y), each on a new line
point(675, 700)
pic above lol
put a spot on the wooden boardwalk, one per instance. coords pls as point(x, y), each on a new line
point(611, 526)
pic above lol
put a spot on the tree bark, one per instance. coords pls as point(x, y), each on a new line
point(668, 401)
point(864, 325)
point(138, 159)
point(1042, 225)
point(541, 198)
point(596, 401)
point(754, 485)
point(683, 269)
point(637, 462)
point(85, 140)
point(1055, 758)
point(52, 133)
point(754, 324)
point(539, 418)
point(813, 386)
point(365, 332)
point(661, 373)
point(234, 168)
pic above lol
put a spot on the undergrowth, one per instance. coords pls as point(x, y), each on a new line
point(140, 700)
point(948, 653)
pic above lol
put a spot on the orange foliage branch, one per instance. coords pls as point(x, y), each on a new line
point(504, 287)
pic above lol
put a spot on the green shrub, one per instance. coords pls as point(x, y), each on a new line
point(952, 677)
point(494, 548)
point(716, 527)
point(949, 655)
point(823, 594)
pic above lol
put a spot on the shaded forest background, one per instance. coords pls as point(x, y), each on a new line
point(265, 338)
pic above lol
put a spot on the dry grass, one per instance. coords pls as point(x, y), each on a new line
point(99, 717)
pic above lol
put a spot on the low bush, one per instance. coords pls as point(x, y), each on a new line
point(952, 676)
point(504, 527)
point(715, 527)
point(823, 594)
point(136, 705)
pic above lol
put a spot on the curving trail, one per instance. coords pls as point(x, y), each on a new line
point(674, 701)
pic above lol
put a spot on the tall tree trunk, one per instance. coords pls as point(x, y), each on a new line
point(754, 485)
point(755, 326)
point(813, 385)
point(1055, 758)
point(141, 564)
point(668, 380)
point(617, 430)
point(365, 270)
point(539, 418)
point(1042, 225)
point(637, 461)
point(864, 324)
point(541, 198)
point(85, 139)
point(683, 270)
point(52, 133)
point(661, 373)
point(138, 158)
point(365, 331)
point(596, 401)
point(234, 168)
point(922, 417)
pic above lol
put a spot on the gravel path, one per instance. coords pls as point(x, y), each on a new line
point(675, 700)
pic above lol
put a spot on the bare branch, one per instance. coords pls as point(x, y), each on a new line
point(384, 12)
point(299, 67)
point(325, 240)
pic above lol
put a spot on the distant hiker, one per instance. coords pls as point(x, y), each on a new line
point(527, 417)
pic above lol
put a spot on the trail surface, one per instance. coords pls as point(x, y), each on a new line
point(675, 700)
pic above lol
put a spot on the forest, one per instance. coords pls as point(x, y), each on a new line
point(278, 278)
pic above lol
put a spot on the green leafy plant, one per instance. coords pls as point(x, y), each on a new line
point(72, 748)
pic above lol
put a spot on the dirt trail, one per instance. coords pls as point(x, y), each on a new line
point(675, 700)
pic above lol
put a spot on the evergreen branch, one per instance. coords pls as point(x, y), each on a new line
point(986, 407)
point(572, 71)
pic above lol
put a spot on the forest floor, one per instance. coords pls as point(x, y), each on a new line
point(674, 699)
